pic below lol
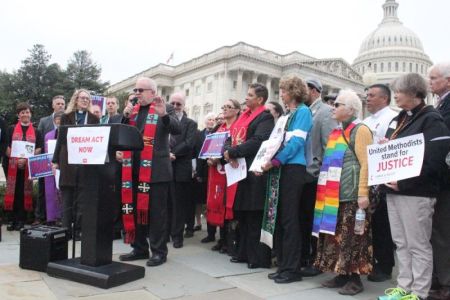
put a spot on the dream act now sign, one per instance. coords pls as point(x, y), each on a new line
point(88, 145)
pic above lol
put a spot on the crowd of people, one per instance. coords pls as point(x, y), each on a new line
point(309, 210)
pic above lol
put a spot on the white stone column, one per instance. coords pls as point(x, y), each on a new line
point(255, 77)
point(269, 87)
point(239, 85)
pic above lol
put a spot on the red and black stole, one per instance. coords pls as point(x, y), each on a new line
point(239, 136)
point(30, 136)
point(217, 183)
point(145, 175)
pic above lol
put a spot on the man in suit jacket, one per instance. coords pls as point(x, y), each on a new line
point(181, 207)
point(161, 175)
point(439, 78)
point(46, 125)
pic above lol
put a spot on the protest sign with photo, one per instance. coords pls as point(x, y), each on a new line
point(101, 102)
point(396, 160)
point(269, 148)
point(40, 165)
point(22, 149)
point(213, 145)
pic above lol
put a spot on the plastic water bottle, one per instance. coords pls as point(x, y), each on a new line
point(360, 220)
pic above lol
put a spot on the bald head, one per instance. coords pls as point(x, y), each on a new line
point(178, 100)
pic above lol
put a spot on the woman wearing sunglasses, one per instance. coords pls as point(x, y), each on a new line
point(217, 183)
point(342, 189)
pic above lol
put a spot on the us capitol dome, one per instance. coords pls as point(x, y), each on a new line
point(391, 50)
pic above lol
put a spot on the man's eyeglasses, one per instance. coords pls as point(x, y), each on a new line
point(227, 107)
point(337, 104)
point(176, 103)
point(140, 90)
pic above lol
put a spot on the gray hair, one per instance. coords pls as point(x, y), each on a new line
point(149, 82)
point(443, 68)
point(351, 100)
point(411, 84)
point(209, 115)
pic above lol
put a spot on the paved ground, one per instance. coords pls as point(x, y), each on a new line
point(192, 272)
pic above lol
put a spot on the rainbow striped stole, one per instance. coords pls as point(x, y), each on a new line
point(327, 199)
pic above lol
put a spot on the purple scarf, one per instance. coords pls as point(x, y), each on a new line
point(52, 197)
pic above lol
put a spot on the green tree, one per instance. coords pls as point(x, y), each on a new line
point(37, 81)
point(83, 72)
point(7, 96)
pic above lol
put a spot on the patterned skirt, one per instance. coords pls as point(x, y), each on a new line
point(346, 252)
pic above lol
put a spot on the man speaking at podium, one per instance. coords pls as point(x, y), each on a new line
point(146, 174)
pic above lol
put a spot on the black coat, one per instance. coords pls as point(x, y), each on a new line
point(251, 192)
point(68, 176)
point(3, 138)
point(182, 146)
point(201, 170)
point(429, 122)
point(161, 166)
point(444, 109)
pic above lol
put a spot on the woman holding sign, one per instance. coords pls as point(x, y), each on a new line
point(285, 183)
point(217, 183)
point(77, 113)
point(24, 141)
point(342, 191)
point(410, 202)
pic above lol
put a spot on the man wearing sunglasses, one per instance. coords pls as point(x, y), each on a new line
point(146, 175)
point(181, 206)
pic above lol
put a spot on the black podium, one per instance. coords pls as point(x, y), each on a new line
point(95, 266)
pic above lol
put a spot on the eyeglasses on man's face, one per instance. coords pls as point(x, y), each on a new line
point(176, 104)
point(140, 90)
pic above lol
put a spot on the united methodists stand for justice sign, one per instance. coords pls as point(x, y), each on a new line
point(88, 145)
point(396, 160)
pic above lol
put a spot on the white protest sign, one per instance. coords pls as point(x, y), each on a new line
point(269, 148)
point(51, 145)
point(88, 145)
point(236, 174)
point(396, 160)
point(22, 149)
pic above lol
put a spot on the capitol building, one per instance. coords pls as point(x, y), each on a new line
point(210, 79)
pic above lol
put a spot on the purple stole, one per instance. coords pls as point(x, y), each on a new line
point(52, 200)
